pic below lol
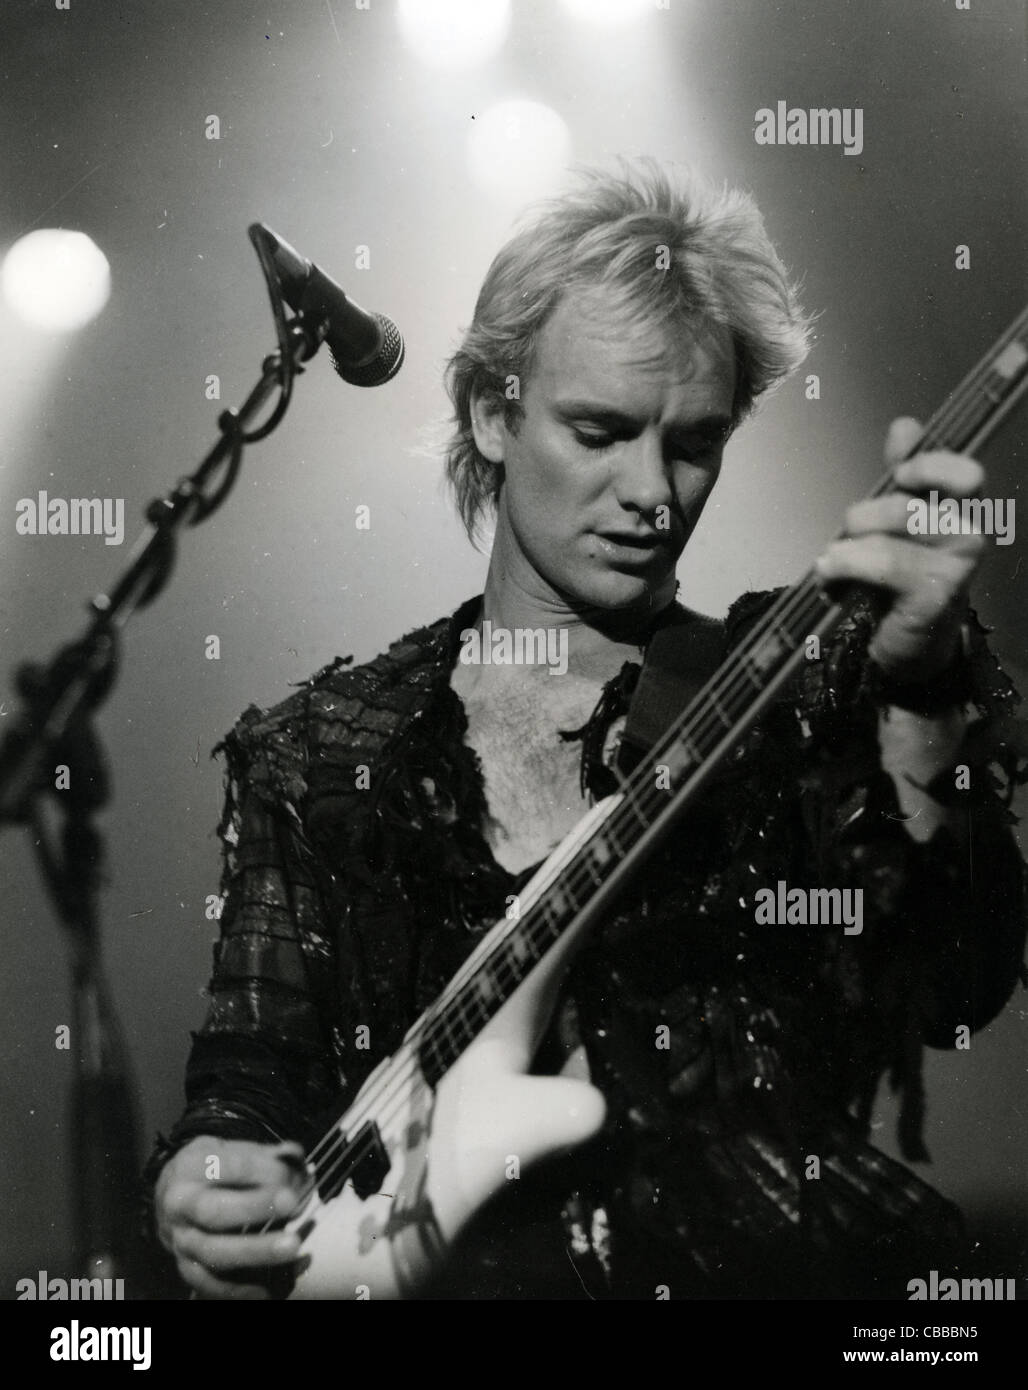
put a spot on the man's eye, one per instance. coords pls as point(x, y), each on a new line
point(594, 441)
point(696, 447)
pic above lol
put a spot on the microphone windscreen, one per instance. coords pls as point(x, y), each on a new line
point(385, 363)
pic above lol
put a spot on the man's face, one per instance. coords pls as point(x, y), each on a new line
point(616, 455)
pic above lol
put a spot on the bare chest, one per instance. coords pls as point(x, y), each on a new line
point(531, 774)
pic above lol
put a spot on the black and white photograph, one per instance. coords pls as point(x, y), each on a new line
point(512, 762)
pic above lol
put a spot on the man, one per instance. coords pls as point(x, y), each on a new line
point(721, 1072)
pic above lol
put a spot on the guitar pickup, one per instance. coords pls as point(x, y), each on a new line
point(367, 1168)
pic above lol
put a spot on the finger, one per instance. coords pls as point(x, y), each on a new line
point(929, 576)
point(208, 1286)
point(951, 475)
point(888, 514)
point(221, 1252)
point(216, 1205)
point(228, 1209)
point(903, 437)
point(245, 1164)
point(898, 514)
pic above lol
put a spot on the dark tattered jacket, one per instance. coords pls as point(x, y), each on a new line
point(357, 878)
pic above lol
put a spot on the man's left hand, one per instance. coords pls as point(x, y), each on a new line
point(928, 577)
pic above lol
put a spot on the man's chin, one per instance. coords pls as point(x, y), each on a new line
point(618, 591)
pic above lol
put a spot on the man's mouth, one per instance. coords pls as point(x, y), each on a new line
point(630, 546)
point(633, 540)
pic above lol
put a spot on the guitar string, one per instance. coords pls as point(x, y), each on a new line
point(789, 603)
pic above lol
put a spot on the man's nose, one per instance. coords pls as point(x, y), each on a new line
point(643, 479)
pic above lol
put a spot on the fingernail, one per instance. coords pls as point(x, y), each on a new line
point(286, 1245)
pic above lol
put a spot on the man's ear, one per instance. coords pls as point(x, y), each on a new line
point(488, 425)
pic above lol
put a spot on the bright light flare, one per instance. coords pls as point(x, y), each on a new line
point(454, 33)
point(518, 150)
point(608, 14)
point(56, 280)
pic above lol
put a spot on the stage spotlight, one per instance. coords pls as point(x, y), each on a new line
point(454, 33)
point(518, 150)
point(609, 14)
point(55, 279)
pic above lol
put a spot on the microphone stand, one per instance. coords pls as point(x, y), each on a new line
point(54, 730)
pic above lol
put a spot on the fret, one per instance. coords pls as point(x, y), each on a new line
point(446, 1039)
point(691, 749)
point(472, 1006)
point(809, 610)
point(439, 1048)
point(679, 758)
point(549, 916)
point(466, 1013)
point(516, 968)
point(976, 405)
point(428, 1056)
point(786, 638)
point(475, 993)
point(601, 851)
point(489, 982)
point(720, 711)
point(519, 947)
point(765, 655)
point(590, 866)
point(632, 802)
point(752, 668)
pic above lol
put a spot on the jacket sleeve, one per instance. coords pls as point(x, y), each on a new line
point(263, 1066)
point(951, 912)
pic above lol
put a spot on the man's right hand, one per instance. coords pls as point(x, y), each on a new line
point(203, 1206)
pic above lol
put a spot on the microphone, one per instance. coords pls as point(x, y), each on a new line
point(366, 348)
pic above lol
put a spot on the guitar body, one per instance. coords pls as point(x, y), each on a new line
point(449, 1149)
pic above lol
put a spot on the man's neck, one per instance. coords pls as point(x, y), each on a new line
point(598, 640)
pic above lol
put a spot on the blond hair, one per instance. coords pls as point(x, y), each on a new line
point(714, 264)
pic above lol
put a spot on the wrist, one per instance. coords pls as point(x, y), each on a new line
point(932, 697)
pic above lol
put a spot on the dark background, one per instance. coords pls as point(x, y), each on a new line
point(334, 133)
